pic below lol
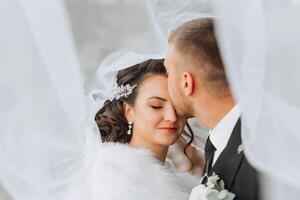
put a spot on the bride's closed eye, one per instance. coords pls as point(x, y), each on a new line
point(156, 102)
point(156, 107)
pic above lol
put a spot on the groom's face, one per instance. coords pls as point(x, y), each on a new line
point(174, 63)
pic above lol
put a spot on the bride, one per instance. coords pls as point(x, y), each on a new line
point(137, 127)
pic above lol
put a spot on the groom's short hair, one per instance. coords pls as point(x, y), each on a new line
point(196, 40)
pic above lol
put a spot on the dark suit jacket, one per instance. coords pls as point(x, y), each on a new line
point(233, 168)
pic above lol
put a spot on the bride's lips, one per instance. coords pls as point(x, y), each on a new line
point(169, 129)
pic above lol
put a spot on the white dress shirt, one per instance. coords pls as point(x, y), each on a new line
point(221, 133)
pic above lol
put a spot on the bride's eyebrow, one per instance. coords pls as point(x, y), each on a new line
point(157, 97)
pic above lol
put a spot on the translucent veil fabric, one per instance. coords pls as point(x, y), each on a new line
point(43, 116)
point(260, 43)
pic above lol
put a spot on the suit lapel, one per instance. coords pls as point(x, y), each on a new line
point(230, 159)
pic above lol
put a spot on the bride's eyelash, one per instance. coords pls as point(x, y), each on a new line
point(156, 107)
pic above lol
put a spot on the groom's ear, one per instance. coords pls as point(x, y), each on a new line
point(188, 83)
point(128, 112)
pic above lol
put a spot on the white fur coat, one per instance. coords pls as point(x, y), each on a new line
point(119, 172)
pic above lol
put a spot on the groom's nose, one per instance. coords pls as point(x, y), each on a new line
point(170, 115)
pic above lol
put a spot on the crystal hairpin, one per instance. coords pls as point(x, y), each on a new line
point(123, 90)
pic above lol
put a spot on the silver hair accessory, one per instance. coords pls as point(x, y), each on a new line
point(123, 90)
point(129, 128)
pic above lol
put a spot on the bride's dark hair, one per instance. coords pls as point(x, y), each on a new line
point(110, 118)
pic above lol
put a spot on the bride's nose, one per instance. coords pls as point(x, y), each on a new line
point(170, 115)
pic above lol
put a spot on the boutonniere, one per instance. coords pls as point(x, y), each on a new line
point(240, 148)
point(213, 189)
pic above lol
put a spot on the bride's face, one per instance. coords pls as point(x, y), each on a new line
point(155, 121)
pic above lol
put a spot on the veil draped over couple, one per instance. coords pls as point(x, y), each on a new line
point(56, 143)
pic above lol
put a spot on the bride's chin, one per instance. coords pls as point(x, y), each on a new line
point(167, 139)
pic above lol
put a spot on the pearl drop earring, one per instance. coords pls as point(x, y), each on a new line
point(129, 128)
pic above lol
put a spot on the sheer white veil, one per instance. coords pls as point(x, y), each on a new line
point(260, 43)
point(48, 138)
point(43, 116)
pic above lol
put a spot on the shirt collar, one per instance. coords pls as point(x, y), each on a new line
point(221, 133)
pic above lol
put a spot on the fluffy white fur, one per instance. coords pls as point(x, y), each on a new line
point(119, 172)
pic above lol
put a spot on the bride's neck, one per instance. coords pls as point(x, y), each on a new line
point(160, 154)
point(159, 151)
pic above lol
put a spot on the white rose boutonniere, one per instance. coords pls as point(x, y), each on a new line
point(213, 189)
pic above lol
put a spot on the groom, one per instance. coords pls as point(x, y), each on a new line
point(199, 88)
